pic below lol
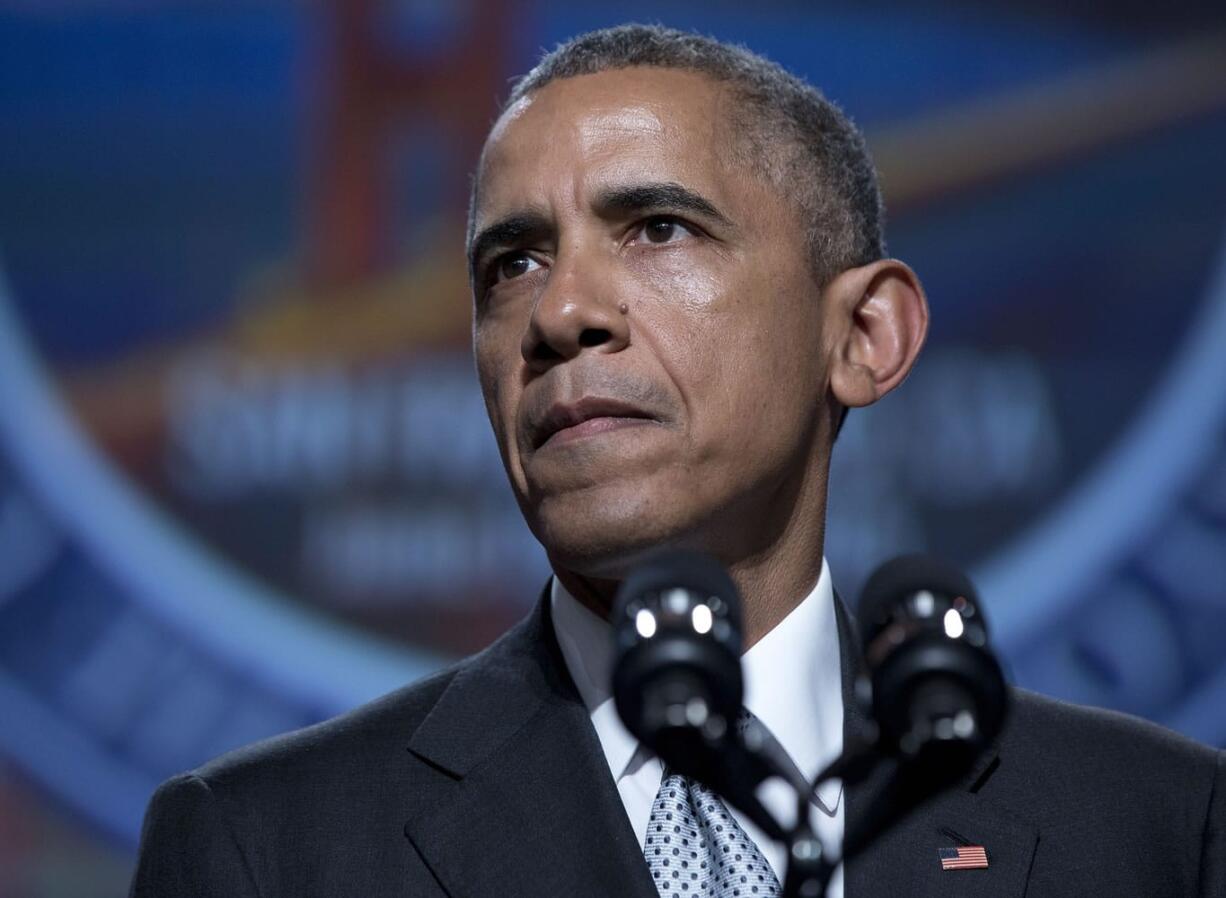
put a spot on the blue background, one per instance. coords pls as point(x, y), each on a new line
point(245, 476)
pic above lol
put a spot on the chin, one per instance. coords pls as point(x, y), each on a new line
point(604, 536)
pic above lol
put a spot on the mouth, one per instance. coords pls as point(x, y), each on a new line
point(565, 422)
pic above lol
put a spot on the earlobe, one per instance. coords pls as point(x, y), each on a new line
point(880, 320)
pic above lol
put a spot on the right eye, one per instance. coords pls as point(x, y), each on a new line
point(513, 265)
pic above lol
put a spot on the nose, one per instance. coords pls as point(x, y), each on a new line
point(577, 310)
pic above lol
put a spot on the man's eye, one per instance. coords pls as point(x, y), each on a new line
point(664, 230)
point(512, 265)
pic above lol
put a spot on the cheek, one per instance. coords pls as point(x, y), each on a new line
point(688, 317)
point(688, 278)
point(722, 316)
point(683, 297)
point(741, 340)
point(496, 373)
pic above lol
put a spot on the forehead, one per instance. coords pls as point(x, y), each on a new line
point(580, 133)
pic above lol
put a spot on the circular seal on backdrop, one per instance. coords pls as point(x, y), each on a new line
point(247, 484)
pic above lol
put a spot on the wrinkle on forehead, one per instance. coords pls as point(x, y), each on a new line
point(594, 132)
point(614, 119)
point(596, 129)
point(600, 111)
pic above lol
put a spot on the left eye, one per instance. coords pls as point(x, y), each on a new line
point(664, 230)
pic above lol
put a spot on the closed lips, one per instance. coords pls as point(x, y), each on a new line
point(562, 416)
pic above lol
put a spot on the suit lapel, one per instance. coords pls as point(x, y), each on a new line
point(523, 802)
point(906, 859)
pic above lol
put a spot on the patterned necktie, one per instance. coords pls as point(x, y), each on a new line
point(696, 849)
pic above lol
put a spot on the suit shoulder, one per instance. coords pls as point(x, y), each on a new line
point(1140, 806)
point(1039, 718)
point(1094, 748)
point(360, 749)
point(380, 728)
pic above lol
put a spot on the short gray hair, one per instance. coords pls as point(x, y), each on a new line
point(807, 144)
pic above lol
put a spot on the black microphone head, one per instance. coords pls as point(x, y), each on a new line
point(677, 670)
point(938, 693)
point(903, 578)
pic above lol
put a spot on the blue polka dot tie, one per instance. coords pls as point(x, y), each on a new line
point(694, 847)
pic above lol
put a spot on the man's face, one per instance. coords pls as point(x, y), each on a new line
point(647, 327)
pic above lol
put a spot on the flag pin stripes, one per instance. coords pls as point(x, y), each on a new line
point(964, 857)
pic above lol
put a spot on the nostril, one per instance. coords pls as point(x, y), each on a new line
point(593, 336)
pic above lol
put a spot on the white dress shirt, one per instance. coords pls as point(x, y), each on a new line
point(793, 685)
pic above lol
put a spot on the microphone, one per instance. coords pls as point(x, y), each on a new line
point(938, 693)
point(677, 672)
point(677, 679)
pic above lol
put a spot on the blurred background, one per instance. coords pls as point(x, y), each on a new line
point(246, 479)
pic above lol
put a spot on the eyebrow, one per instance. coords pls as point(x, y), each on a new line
point(512, 230)
point(658, 196)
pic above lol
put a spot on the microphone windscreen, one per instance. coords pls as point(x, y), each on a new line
point(682, 569)
point(904, 576)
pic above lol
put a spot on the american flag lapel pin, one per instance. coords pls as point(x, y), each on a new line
point(964, 857)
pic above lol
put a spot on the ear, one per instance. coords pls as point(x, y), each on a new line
point(877, 319)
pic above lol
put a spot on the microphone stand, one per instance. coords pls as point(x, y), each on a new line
point(908, 785)
point(810, 868)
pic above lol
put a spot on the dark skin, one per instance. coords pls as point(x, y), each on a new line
point(659, 362)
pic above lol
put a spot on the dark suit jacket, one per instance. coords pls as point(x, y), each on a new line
point(487, 779)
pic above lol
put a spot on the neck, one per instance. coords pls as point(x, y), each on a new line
point(773, 577)
point(775, 567)
point(773, 586)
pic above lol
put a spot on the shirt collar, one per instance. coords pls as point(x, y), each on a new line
point(794, 683)
point(587, 648)
point(793, 680)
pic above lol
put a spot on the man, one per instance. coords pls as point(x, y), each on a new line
point(679, 288)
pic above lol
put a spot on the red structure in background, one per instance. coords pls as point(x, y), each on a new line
point(370, 90)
